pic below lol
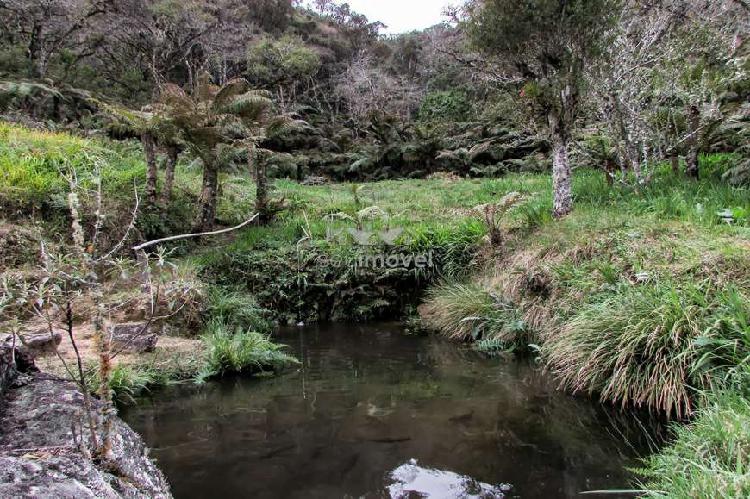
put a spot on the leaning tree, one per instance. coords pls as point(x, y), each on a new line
point(544, 46)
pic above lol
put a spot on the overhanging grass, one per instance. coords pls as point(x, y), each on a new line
point(466, 311)
point(652, 345)
point(709, 458)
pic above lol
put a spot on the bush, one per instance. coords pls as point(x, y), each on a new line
point(449, 105)
point(287, 59)
point(652, 346)
point(469, 312)
point(234, 350)
point(709, 457)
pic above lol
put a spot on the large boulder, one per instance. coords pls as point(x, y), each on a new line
point(133, 337)
point(40, 455)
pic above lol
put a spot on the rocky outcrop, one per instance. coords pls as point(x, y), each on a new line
point(133, 337)
point(42, 420)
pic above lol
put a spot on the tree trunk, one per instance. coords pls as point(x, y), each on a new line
point(261, 185)
point(169, 167)
point(610, 167)
point(152, 168)
point(674, 159)
point(37, 63)
point(635, 164)
point(691, 158)
point(207, 199)
point(562, 177)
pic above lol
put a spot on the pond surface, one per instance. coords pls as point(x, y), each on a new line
point(373, 413)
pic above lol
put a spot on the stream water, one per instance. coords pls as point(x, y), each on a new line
point(374, 413)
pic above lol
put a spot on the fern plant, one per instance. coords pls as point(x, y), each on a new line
point(213, 115)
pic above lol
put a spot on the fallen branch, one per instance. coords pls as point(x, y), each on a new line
point(143, 246)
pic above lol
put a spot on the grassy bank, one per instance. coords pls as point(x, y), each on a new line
point(639, 298)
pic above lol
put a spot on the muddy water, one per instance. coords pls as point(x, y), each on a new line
point(374, 413)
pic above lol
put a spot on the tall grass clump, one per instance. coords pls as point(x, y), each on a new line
point(653, 346)
point(128, 382)
point(709, 458)
point(235, 350)
point(237, 308)
point(466, 312)
point(453, 245)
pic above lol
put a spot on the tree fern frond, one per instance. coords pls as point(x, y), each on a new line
point(230, 90)
point(279, 125)
point(251, 106)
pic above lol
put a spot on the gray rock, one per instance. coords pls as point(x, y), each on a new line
point(133, 337)
point(41, 342)
point(40, 457)
point(315, 180)
point(35, 343)
point(12, 365)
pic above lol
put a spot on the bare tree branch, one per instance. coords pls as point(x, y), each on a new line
point(149, 244)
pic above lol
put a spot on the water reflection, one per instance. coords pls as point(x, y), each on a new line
point(411, 480)
point(365, 401)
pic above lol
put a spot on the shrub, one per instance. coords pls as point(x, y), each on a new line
point(490, 348)
point(286, 59)
point(469, 312)
point(448, 105)
point(709, 457)
point(231, 350)
point(652, 346)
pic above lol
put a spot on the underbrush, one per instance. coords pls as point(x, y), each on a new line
point(128, 382)
point(299, 274)
point(236, 308)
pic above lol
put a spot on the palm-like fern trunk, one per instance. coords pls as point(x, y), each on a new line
point(207, 199)
point(171, 162)
point(149, 150)
point(261, 185)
